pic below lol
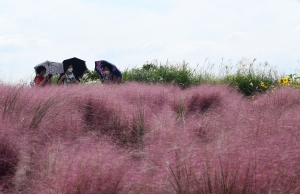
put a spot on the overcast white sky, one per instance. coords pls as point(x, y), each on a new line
point(129, 33)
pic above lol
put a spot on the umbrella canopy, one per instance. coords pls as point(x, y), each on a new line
point(100, 65)
point(53, 68)
point(79, 66)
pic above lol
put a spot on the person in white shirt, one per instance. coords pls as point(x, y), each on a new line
point(68, 77)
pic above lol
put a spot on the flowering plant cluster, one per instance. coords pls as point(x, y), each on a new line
point(290, 80)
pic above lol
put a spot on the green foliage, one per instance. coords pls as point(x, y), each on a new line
point(55, 79)
point(248, 84)
point(90, 76)
point(246, 77)
point(249, 80)
point(179, 74)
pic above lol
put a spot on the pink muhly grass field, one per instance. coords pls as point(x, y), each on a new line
point(139, 138)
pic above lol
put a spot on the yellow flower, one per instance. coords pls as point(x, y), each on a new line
point(285, 80)
point(262, 84)
point(281, 81)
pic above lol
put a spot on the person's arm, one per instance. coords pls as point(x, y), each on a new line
point(40, 81)
point(46, 80)
point(114, 79)
point(75, 81)
point(61, 80)
point(49, 81)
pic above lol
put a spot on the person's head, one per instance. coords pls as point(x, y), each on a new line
point(107, 70)
point(69, 69)
point(40, 70)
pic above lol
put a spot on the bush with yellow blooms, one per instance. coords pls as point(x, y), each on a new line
point(290, 80)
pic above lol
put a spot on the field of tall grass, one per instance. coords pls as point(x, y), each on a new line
point(148, 138)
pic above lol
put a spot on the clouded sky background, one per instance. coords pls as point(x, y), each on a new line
point(129, 33)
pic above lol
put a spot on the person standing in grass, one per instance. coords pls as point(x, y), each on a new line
point(108, 72)
point(68, 77)
point(40, 78)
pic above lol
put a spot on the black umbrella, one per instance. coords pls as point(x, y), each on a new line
point(79, 66)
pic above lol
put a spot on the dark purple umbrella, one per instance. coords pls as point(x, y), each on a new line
point(100, 65)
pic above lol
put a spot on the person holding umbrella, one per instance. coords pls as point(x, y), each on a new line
point(108, 72)
point(40, 79)
point(68, 77)
point(48, 68)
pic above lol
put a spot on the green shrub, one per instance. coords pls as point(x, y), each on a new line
point(250, 79)
point(245, 76)
point(179, 74)
point(90, 76)
point(55, 79)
